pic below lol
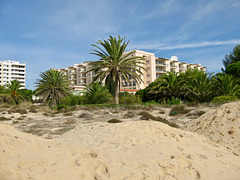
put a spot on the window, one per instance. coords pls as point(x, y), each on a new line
point(148, 62)
point(148, 82)
point(148, 75)
point(134, 83)
point(130, 83)
point(148, 68)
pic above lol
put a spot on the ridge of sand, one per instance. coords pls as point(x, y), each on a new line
point(221, 125)
point(128, 150)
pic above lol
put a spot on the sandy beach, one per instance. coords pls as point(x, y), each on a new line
point(203, 148)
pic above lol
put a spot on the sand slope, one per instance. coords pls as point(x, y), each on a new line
point(129, 150)
point(221, 125)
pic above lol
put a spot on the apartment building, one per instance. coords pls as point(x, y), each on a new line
point(155, 67)
point(11, 70)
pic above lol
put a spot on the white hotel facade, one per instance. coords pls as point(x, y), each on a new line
point(155, 67)
point(12, 70)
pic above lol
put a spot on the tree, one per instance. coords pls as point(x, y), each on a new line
point(97, 94)
point(233, 57)
point(27, 94)
point(52, 87)
point(226, 85)
point(234, 69)
point(169, 85)
point(113, 63)
point(198, 85)
point(13, 88)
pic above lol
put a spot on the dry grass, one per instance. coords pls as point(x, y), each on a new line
point(70, 121)
point(2, 118)
point(21, 118)
point(147, 116)
point(178, 110)
point(114, 121)
point(68, 114)
point(62, 131)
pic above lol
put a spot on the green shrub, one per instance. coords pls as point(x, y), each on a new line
point(71, 100)
point(224, 99)
point(174, 101)
point(130, 98)
point(97, 94)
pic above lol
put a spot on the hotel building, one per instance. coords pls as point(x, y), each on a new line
point(12, 70)
point(155, 67)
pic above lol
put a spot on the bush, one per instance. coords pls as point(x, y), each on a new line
point(97, 94)
point(174, 101)
point(224, 99)
point(5, 98)
point(130, 98)
point(71, 100)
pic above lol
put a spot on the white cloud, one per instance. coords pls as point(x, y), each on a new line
point(159, 46)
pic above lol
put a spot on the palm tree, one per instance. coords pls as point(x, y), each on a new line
point(97, 94)
point(113, 63)
point(227, 85)
point(169, 85)
point(52, 87)
point(13, 88)
point(199, 85)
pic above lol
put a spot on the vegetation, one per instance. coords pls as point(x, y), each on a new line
point(13, 88)
point(129, 98)
point(116, 65)
point(233, 57)
point(114, 121)
point(226, 85)
point(224, 99)
point(234, 69)
point(169, 85)
point(52, 87)
point(147, 116)
point(97, 94)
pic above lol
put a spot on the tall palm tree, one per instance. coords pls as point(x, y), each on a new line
point(225, 84)
point(13, 88)
point(169, 85)
point(113, 63)
point(52, 87)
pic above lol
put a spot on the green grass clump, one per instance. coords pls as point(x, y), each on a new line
point(114, 121)
point(178, 110)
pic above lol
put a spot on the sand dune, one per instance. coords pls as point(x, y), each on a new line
point(128, 150)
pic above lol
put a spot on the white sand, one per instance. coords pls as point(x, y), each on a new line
point(128, 150)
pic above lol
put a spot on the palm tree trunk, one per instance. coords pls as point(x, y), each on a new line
point(116, 89)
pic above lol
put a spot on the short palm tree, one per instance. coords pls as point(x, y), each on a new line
point(198, 85)
point(13, 88)
point(226, 85)
point(97, 94)
point(113, 63)
point(168, 85)
point(52, 87)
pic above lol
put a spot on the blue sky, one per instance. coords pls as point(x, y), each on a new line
point(58, 33)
